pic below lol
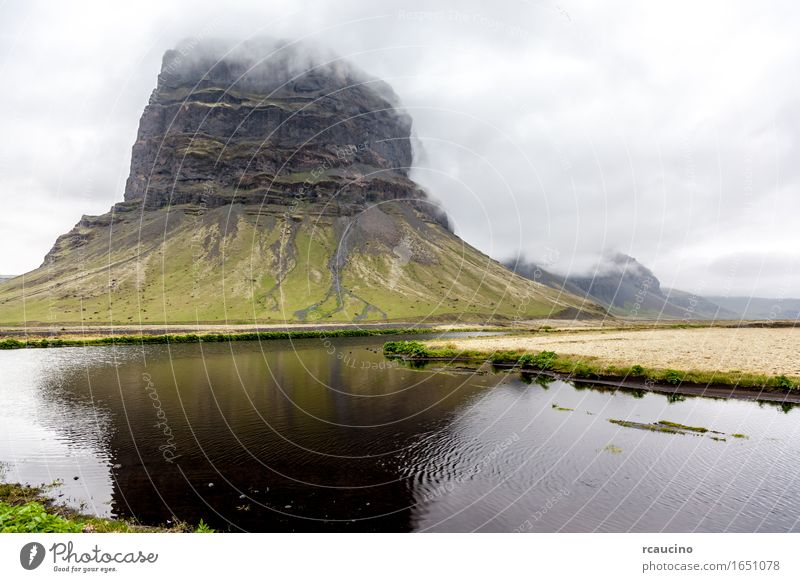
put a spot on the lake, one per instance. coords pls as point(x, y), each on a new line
point(328, 435)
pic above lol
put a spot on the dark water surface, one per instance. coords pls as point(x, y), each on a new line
point(327, 435)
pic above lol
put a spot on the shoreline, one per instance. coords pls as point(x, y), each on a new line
point(41, 336)
point(718, 390)
point(286, 333)
point(709, 383)
point(69, 331)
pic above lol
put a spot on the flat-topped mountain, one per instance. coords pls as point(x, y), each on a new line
point(271, 184)
point(263, 124)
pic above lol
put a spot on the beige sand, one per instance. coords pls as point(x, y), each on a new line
point(756, 350)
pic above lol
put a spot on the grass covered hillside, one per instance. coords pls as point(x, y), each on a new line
point(245, 263)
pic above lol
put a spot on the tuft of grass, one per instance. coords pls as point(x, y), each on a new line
point(680, 426)
point(672, 377)
point(542, 360)
point(669, 427)
point(561, 408)
point(584, 370)
point(636, 370)
point(25, 509)
point(203, 527)
point(651, 426)
point(32, 517)
point(411, 349)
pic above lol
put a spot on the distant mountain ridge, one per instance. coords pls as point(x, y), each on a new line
point(628, 289)
point(760, 308)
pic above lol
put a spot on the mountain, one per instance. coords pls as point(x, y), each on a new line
point(760, 308)
point(271, 183)
point(628, 289)
point(4, 278)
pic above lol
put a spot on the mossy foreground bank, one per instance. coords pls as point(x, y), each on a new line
point(25, 509)
point(755, 360)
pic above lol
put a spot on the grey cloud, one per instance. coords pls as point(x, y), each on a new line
point(664, 131)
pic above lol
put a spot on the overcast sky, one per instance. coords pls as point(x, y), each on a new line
point(560, 130)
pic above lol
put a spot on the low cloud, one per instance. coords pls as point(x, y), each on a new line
point(666, 132)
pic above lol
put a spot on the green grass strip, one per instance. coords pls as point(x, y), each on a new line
point(191, 338)
point(590, 369)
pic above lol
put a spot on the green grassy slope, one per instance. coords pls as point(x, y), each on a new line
point(242, 263)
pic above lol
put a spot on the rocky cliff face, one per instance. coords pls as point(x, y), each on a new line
point(263, 124)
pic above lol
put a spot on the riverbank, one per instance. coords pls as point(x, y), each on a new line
point(73, 331)
point(120, 338)
point(721, 350)
point(545, 330)
point(752, 363)
point(25, 509)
